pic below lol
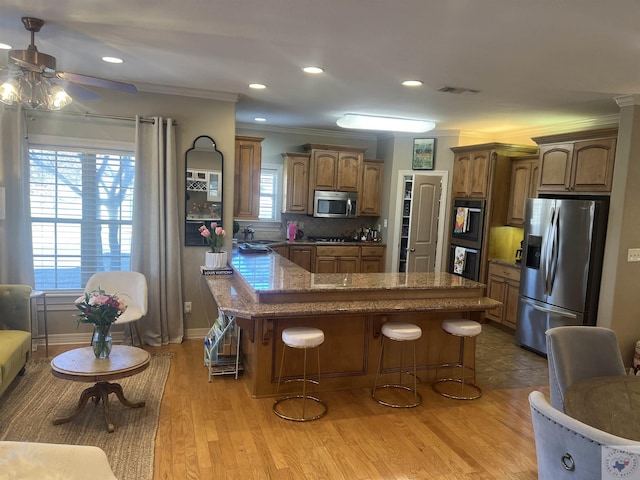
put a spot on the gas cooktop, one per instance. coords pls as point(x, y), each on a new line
point(333, 239)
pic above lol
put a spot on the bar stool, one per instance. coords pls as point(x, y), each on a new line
point(399, 332)
point(463, 329)
point(304, 338)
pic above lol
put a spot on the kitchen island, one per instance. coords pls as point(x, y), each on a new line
point(267, 293)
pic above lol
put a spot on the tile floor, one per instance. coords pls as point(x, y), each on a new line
point(500, 364)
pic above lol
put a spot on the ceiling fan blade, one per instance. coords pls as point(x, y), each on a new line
point(97, 82)
point(27, 65)
point(78, 92)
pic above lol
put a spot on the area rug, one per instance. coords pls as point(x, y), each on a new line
point(30, 404)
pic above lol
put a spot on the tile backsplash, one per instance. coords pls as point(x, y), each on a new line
point(309, 225)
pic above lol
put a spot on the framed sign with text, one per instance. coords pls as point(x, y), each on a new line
point(424, 152)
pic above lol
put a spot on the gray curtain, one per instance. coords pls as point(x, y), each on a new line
point(16, 265)
point(156, 232)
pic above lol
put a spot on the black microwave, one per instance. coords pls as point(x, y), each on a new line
point(335, 204)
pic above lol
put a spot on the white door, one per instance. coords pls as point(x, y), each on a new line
point(423, 234)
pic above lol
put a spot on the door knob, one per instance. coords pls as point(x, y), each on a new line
point(412, 249)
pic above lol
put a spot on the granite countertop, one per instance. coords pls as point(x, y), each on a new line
point(265, 285)
point(510, 262)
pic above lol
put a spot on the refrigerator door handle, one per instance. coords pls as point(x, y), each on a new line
point(535, 306)
point(545, 252)
point(555, 247)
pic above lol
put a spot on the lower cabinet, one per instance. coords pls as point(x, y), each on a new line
point(372, 259)
point(503, 285)
point(302, 255)
point(337, 260)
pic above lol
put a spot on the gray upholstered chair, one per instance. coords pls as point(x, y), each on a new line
point(568, 449)
point(577, 353)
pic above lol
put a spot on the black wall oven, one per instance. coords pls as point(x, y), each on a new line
point(466, 238)
point(468, 223)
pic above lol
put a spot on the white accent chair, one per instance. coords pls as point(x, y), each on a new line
point(567, 449)
point(577, 353)
point(131, 287)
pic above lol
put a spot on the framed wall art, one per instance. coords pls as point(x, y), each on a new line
point(424, 153)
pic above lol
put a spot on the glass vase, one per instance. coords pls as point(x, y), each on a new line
point(102, 341)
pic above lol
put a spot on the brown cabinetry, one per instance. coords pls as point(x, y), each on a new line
point(524, 182)
point(503, 285)
point(296, 182)
point(484, 172)
point(248, 162)
point(471, 174)
point(303, 256)
point(332, 259)
point(370, 194)
point(334, 168)
point(372, 259)
point(577, 163)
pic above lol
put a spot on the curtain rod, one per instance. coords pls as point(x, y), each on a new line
point(109, 117)
point(94, 115)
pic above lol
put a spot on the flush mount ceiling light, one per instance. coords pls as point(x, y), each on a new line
point(112, 60)
point(260, 119)
point(389, 124)
point(313, 70)
point(412, 83)
point(4, 46)
point(257, 86)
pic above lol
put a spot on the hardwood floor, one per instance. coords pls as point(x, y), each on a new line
point(216, 431)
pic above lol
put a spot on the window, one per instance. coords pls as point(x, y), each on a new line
point(81, 213)
point(270, 197)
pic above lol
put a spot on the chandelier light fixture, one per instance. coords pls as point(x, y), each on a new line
point(35, 91)
point(389, 124)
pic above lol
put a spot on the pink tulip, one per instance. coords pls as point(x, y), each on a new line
point(205, 233)
point(219, 231)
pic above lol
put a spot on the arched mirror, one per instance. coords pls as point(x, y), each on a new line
point(203, 190)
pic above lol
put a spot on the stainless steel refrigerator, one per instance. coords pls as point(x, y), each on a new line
point(561, 266)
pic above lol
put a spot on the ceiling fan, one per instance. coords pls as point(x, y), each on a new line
point(32, 78)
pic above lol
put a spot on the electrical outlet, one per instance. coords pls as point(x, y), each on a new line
point(633, 255)
point(301, 225)
point(187, 307)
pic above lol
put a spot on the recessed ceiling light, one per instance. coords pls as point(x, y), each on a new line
point(4, 46)
point(260, 119)
point(312, 70)
point(257, 86)
point(112, 60)
point(389, 124)
point(412, 83)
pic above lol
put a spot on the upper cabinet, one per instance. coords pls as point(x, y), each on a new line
point(471, 174)
point(577, 163)
point(524, 182)
point(248, 162)
point(335, 167)
point(296, 182)
point(369, 196)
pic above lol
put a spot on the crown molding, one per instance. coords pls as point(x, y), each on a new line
point(564, 127)
point(627, 100)
point(305, 131)
point(189, 92)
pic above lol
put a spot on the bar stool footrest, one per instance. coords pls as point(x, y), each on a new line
point(303, 418)
point(476, 389)
point(417, 402)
